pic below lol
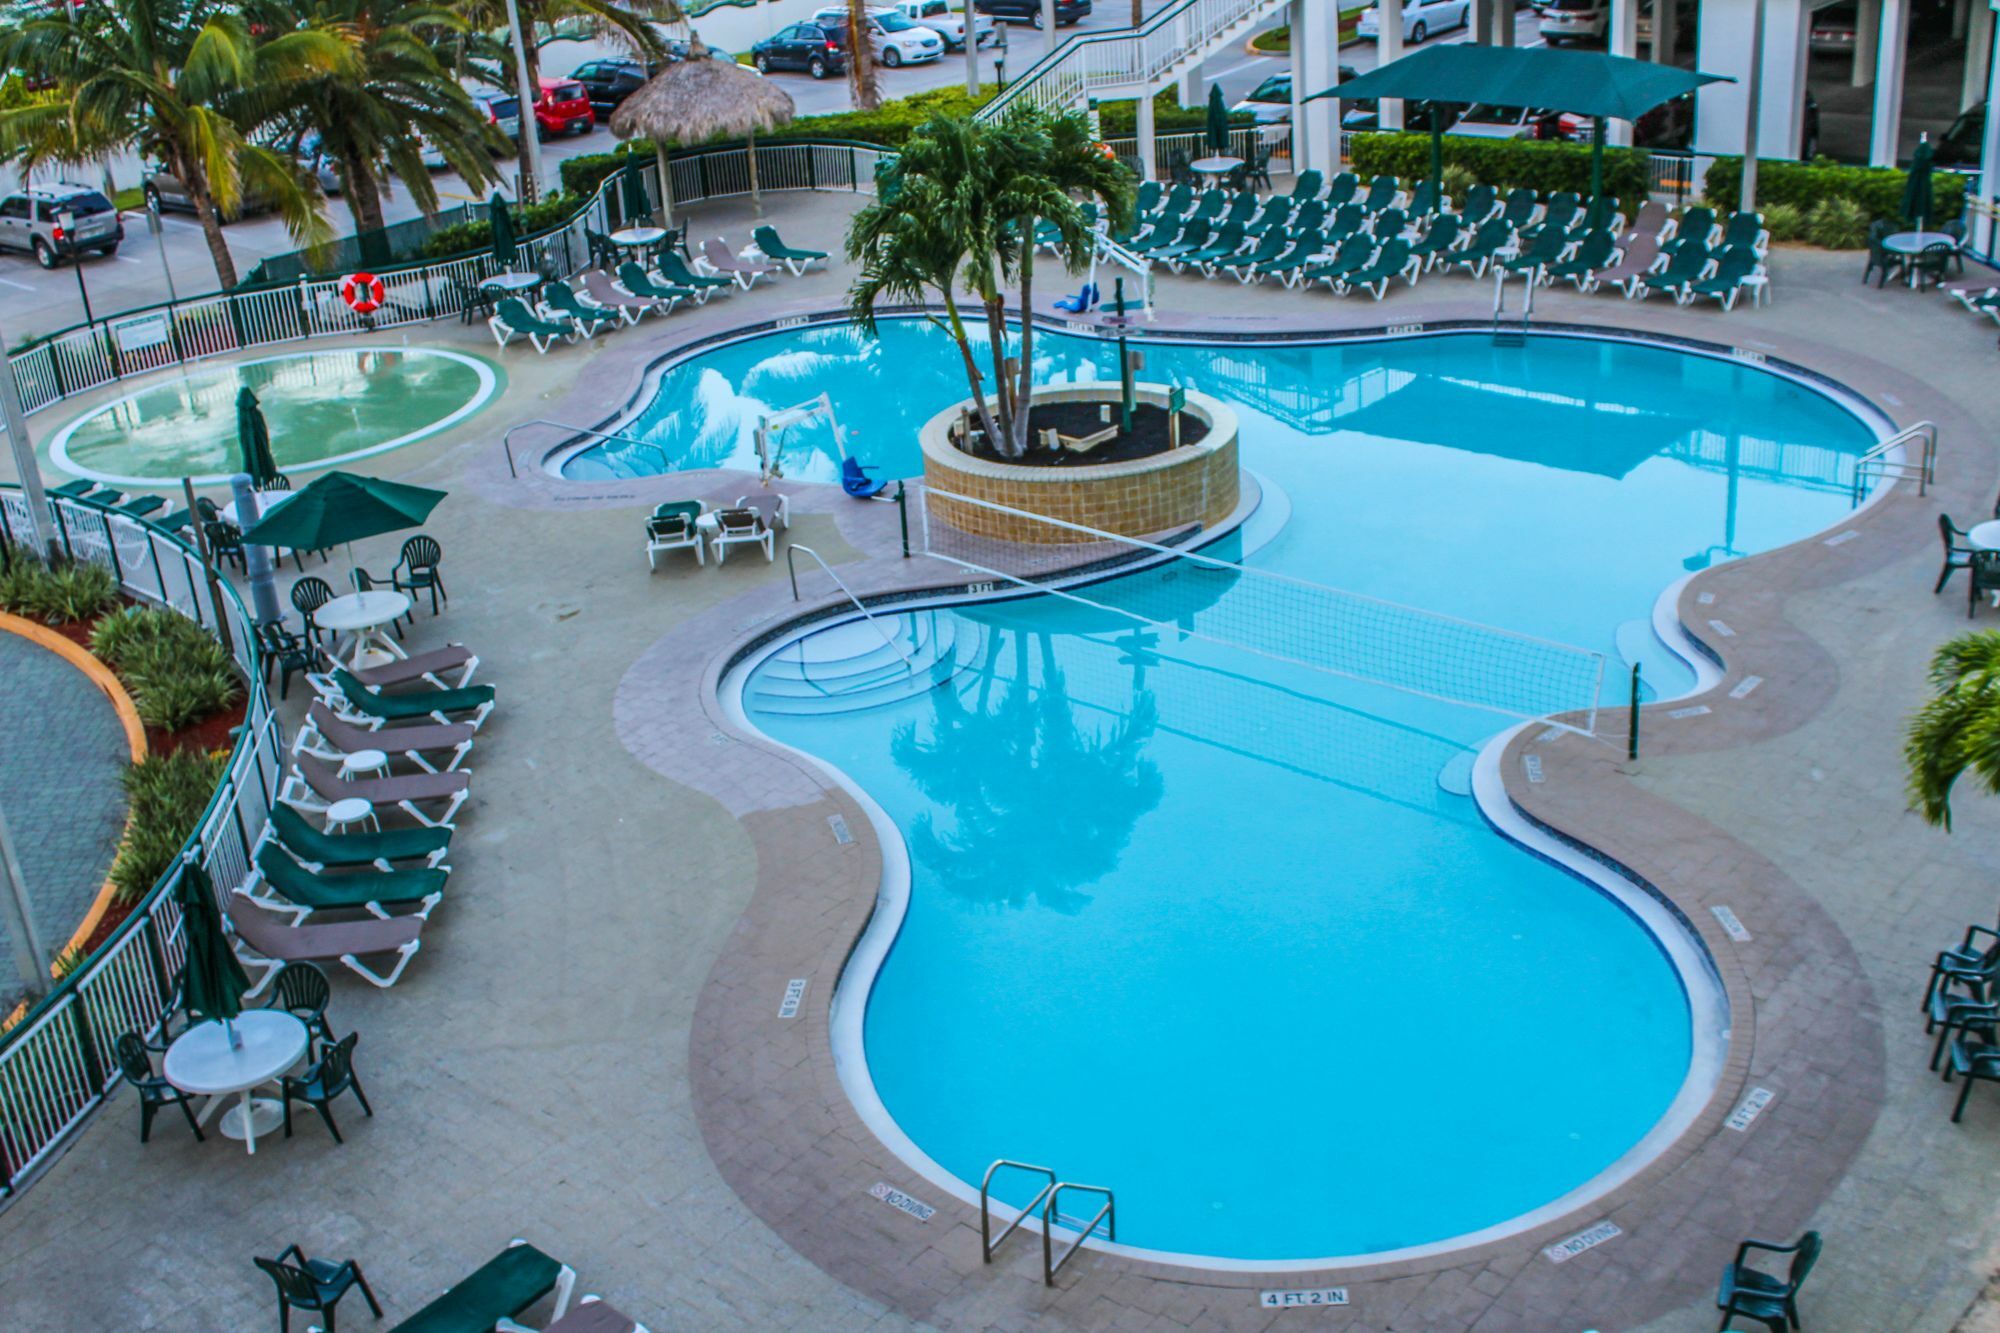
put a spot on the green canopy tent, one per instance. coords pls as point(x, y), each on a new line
point(1585, 83)
point(212, 980)
point(340, 508)
point(253, 436)
point(504, 252)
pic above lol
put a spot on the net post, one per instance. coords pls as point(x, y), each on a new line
point(1632, 733)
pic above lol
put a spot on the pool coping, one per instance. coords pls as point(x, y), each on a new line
point(851, 1248)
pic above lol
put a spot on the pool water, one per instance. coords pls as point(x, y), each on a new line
point(323, 408)
point(1227, 934)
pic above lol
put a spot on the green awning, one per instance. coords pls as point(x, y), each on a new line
point(1585, 83)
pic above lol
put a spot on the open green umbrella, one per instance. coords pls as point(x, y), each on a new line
point(503, 231)
point(212, 981)
point(1218, 120)
point(632, 185)
point(1917, 206)
point(253, 436)
point(340, 507)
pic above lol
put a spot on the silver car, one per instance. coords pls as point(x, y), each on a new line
point(58, 222)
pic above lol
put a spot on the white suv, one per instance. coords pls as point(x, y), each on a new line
point(946, 22)
point(1575, 20)
point(896, 40)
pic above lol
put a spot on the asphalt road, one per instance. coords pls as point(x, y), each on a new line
point(35, 301)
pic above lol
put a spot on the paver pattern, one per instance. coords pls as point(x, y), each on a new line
point(588, 1053)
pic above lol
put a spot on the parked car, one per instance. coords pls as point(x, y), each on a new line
point(1668, 125)
point(609, 82)
point(1684, 17)
point(502, 111)
point(1270, 102)
point(946, 22)
point(1482, 121)
point(1575, 21)
point(1366, 115)
point(1832, 31)
point(57, 222)
point(563, 108)
point(1421, 18)
point(1959, 147)
point(166, 194)
point(816, 49)
point(1030, 11)
point(896, 40)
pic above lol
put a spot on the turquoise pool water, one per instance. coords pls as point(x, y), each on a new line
point(1225, 934)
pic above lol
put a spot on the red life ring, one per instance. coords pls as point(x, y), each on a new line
point(363, 292)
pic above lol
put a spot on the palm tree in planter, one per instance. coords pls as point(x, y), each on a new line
point(171, 78)
point(957, 214)
point(1959, 728)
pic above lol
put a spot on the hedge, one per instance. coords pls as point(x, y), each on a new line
point(1877, 190)
point(466, 237)
point(1505, 164)
point(892, 123)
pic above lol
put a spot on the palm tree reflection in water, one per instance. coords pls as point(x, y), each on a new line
point(1040, 806)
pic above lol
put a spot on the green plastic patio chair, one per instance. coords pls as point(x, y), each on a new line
point(313, 1285)
point(1771, 1300)
point(1984, 574)
point(153, 1091)
point(302, 990)
point(513, 319)
point(323, 1082)
point(774, 248)
point(503, 1287)
point(1957, 556)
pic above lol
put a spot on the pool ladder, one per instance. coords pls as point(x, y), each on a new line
point(1043, 1205)
point(1505, 332)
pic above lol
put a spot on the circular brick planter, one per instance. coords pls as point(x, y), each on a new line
point(1194, 484)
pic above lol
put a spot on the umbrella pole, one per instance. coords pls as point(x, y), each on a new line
point(666, 186)
point(1596, 170)
point(1437, 164)
point(756, 199)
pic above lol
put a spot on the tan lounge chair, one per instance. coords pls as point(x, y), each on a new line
point(264, 941)
point(715, 254)
point(427, 667)
point(599, 290)
point(331, 736)
point(1641, 253)
point(315, 783)
point(776, 508)
point(736, 526)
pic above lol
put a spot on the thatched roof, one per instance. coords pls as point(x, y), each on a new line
point(697, 99)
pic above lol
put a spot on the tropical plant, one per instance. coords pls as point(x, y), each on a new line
point(177, 673)
point(57, 595)
point(166, 795)
point(179, 80)
point(376, 118)
point(958, 211)
point(1959, 728)
point(1785, 222)
point(1837, 223)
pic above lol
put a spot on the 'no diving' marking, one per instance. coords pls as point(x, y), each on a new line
point(1565, 1250)
point(895, 1198)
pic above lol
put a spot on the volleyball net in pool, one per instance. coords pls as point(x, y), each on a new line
point(1273, 615)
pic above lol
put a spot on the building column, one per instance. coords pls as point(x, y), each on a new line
point(1989, 148)
point(1388, 50)
point(1193, 90)
point(1480, 21)
point(1722, 109)
point(1890, 51)
point(1315, 48)
point(1867, 32)
point(1961, 19)
point(1503, 23)
point(1623, 40)
point(1978, 57)
point(1144, 108)
point(1666, 30)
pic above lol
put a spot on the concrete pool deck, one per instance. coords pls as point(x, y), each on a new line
point(587, 1052)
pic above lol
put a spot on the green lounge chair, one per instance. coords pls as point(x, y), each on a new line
point(1158, 237)
point(75, 490)
point(676, 272)
point(1270, 247)
point(277, 883)
point(1687, 265)
point(1221, 245)
point(1696, 224)
point(1391, 261)
point(318, 850)
point(1347, 221)
point(1342, 189)
point(141, 505)
point(1307, 185)
point(1746, 229)
point(1383, 192)
point(1353, 256)
point(1485, 247)
point(513, 319)
point(1521, 209)
point(504, 1286)
point(1421, 197)
point(1149, 198)
point(1209, 206)
point(1306, 246)
point(560, 301)
point(1387, 223)
point(1561, 212)
point(1597, 250)
point(1241, 209)
point(797, 261)
point(1277, 211)
point(1310, 217)
point(1548, 248)
point(438, 705)
point(634, 279)
point(1735, 265)
point(1481, 202)
point(1192, 238)
point(1175, 206)
point(1445, 234)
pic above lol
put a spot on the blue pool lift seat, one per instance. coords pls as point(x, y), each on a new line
point(1081, 303)
point(854, 479)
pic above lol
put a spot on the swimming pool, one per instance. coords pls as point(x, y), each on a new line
point(1228, 935)
point(323, 408)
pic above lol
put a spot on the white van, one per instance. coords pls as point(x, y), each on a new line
point(946, 22)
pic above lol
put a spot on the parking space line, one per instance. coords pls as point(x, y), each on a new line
point(17, 286)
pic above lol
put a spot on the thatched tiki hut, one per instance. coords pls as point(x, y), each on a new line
point(697, 99)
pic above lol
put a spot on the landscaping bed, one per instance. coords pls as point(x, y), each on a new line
point(1149, 435)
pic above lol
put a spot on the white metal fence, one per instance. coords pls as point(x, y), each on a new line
point(58, 1063)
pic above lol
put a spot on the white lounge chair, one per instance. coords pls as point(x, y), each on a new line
point(314, 784)
point(776, 508)
point(673, 527)
point(716, 257)
point(331, 736)
point(514, 319)
point(736, 526)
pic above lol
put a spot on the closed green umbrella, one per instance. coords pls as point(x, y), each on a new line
point(503, 231)
point(1917, 204)
point(253, 436)
point(212, 981)
point(632, 185)
point(1218, 120)
point(340, 507)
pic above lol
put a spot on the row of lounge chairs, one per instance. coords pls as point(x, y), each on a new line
point(688, 525)
point(316, 895)
point(599, 301)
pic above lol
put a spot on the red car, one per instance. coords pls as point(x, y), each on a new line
point(563, 108)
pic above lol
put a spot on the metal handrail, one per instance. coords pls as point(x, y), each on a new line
point(1050, 1261)
point(507, 440)
point(988, 1243)
point(1876, 462)
point(791, 565)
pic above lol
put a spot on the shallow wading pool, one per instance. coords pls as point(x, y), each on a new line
point(1229, 935)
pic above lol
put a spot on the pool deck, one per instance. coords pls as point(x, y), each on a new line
point(587, 1052)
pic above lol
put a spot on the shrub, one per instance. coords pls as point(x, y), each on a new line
point(1837, 224)
point(1457, 180)
point(178, 675)
point(1785, 222)
point(1876, 191)
point(1505, 164)
point(466, 237)
point(56, 595)
point(167, 795)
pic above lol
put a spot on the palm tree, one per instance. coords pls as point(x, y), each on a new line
point(171, 78)
point(1959, 728)
point(861, 57)
point(403, 96)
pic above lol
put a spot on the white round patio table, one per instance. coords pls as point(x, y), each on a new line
point(1985, 535)
point(513, 282)
point(1215, 166)
point(363, 614)
point(638, 236)
point(266, 502)
point(1915, 243)
point(202, 1061)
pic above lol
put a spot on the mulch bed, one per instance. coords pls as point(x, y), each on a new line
point(1148, 436)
